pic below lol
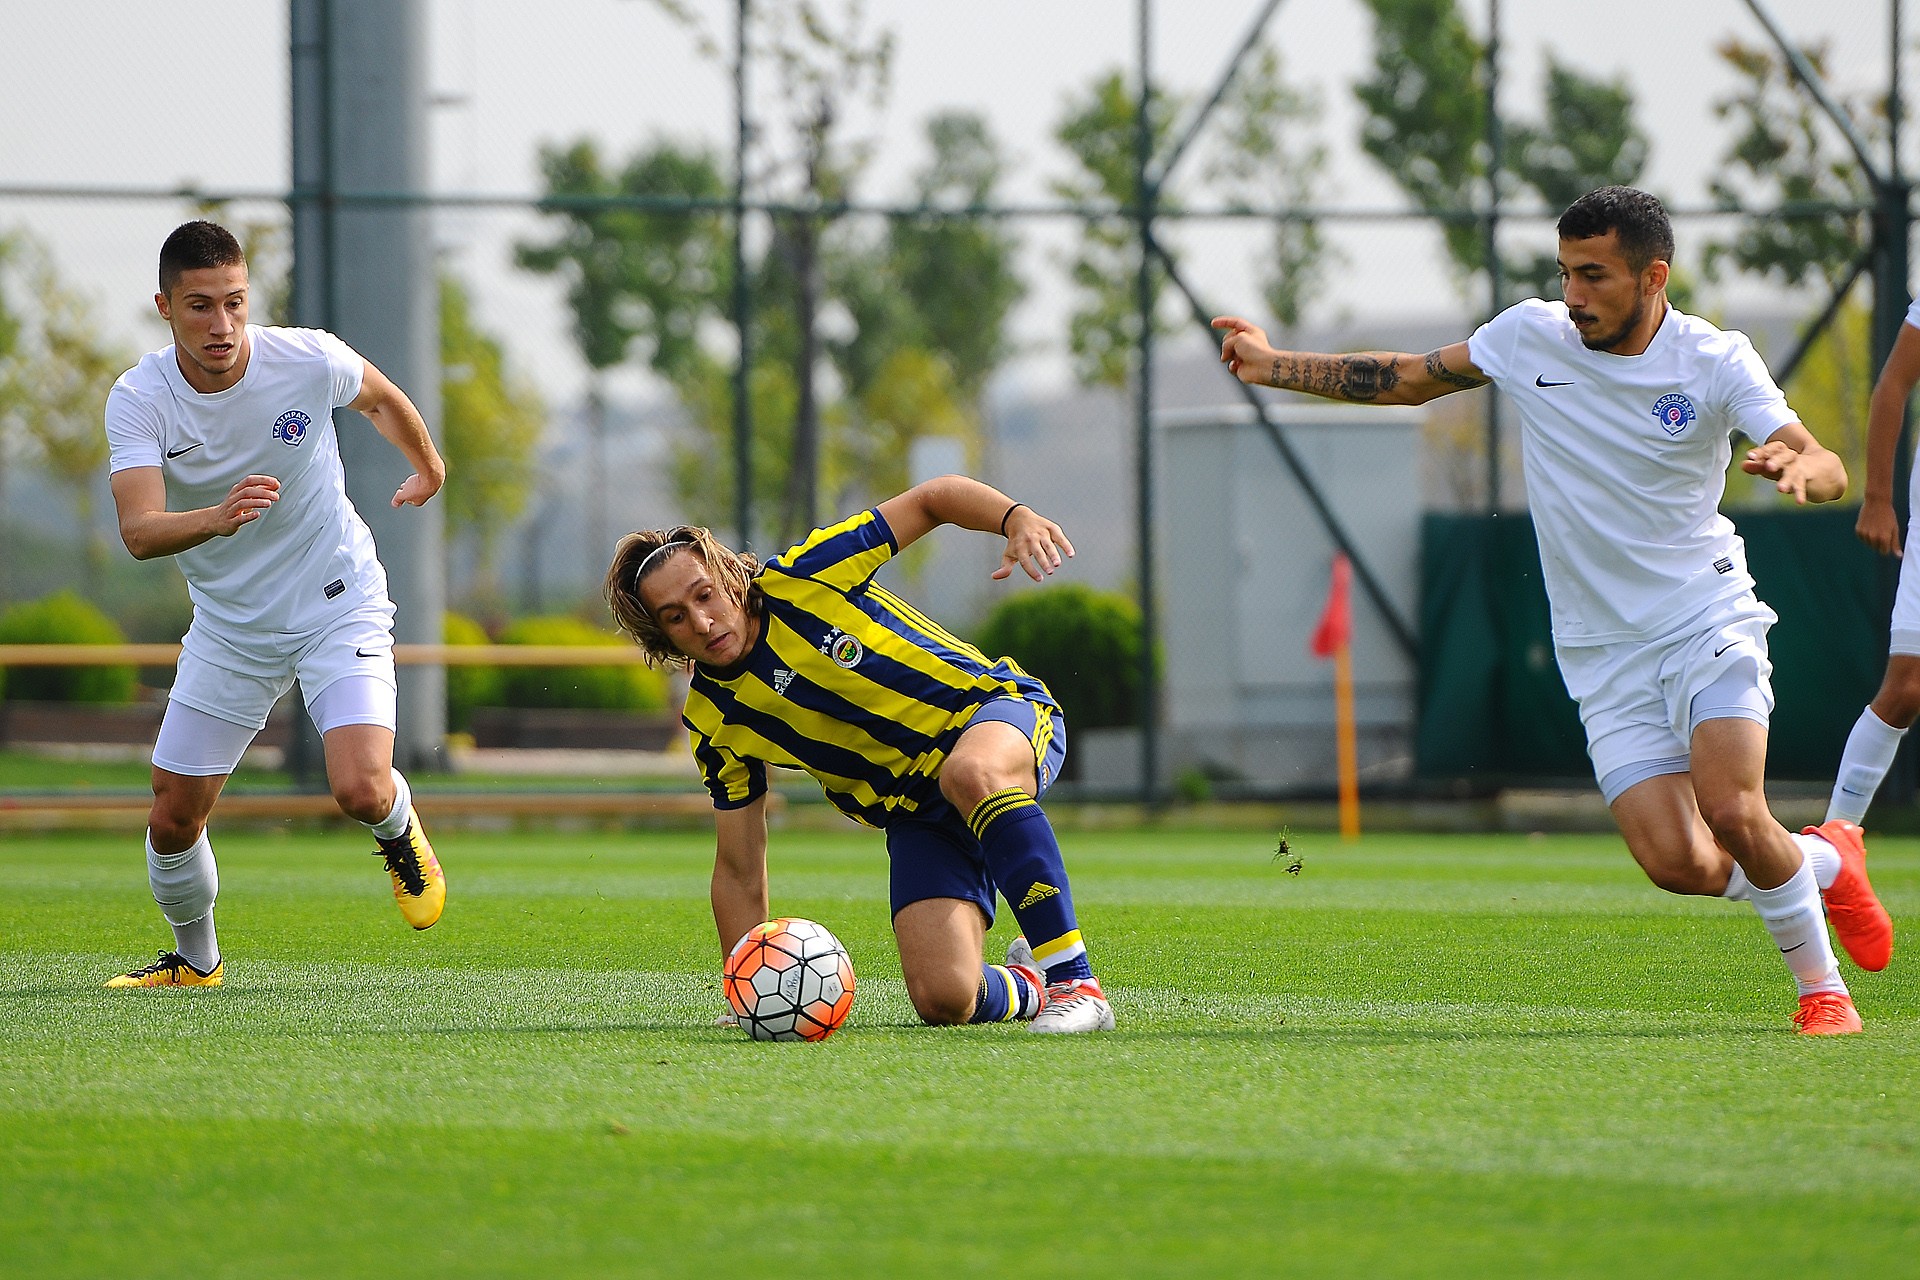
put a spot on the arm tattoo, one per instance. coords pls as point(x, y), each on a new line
point(1440, 373)
point(1359, 377)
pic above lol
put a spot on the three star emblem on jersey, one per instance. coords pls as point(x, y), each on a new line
point(781, 679)
point(845, 650)
point(1673, 411)
point(290, 428)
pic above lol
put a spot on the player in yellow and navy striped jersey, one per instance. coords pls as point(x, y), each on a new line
point(808, 663)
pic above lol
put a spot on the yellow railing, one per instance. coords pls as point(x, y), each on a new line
point(445, 655)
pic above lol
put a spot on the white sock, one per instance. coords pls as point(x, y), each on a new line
point(1793, 916)
point(196, 943)
point(1821, 856)
point(185, 885)
point(1863, 766)
point(1737, 886)
point(395, 823)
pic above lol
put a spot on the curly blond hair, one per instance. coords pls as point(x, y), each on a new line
point(640, 555)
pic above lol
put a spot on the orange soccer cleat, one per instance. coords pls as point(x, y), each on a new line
point(1827, 1013)
point(1861, 923)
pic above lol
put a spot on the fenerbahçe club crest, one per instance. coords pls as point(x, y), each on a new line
point(845, 650)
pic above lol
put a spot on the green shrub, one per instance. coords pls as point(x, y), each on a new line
point(612, 688)
point(64, 618)
point(1084, 643)
point(468, 687)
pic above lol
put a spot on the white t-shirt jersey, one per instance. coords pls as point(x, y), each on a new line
point(1626, 459)
point(307, 560)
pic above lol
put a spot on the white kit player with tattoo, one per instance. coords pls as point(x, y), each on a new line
point(224, 456)
point(1627, 408)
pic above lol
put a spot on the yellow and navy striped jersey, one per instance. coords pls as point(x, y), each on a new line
point(846, 681)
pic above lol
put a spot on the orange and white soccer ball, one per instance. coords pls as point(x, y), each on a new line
point(789, 979)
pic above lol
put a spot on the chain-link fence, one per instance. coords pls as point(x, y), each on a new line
point(932, 220)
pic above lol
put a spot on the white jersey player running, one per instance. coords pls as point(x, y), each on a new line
point(1884, 722)
point(224, 456)
point(1627, 409)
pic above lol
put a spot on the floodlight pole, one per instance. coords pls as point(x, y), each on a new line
point(1146, 194)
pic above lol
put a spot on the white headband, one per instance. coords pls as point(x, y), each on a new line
point(640, 572)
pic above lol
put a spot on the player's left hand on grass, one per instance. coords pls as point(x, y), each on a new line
point(1782, 464)
point(1034, 543)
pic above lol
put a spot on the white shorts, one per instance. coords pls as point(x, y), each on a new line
point(237, 683)
point(198, 745)
point(1640, 700)
point(1905, 638)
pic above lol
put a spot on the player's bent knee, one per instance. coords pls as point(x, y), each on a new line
point(170, 831)
point(367, 799)
point(1688, 878)
point(1738, 822)
point(942, 1004)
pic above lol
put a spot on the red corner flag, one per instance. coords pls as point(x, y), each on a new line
point(1336, 620)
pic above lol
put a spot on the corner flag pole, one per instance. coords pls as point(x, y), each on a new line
point(1333, 638)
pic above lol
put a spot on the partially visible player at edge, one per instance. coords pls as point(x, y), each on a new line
point(807, 663)
point(1627, 409)
point(1884, 721)
point(224, 457)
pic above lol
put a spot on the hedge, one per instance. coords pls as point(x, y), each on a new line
point(1085, 644)
point(63, 618)
point(630, 687)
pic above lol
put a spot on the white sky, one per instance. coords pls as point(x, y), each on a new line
point(162, 92)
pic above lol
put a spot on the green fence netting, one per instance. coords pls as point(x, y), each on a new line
point(1493, 710)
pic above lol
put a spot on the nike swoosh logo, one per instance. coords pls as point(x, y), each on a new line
point(1787, 951)
point(1541, 381)
point(174, 453)
point(1723, 648)
point(362, 653)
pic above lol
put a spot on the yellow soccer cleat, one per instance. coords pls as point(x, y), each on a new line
point(170, 970)
point(418, 885)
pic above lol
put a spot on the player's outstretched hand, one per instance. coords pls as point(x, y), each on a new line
point(415, 490)
point(1878, 526)
point(1034, 543)
point(1782, 464)
point(246, 502)
point(1245, 349)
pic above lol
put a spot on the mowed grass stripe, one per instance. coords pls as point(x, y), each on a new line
point(1349, 1072)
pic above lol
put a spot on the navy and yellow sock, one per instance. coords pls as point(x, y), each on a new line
point(1024, 859)
point(1005, 994)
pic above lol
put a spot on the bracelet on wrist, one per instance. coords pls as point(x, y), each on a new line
point(1009, 515)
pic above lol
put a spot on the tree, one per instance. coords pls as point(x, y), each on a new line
point(1257, 162)
point(634, 273)
point(1099, 131)
point(1783, 153)
point(929, 302)
point(53, 388)
point(821, 67)
point(490, 425)
point(1426, 115)
point(1780, 156)
point(1589, 139)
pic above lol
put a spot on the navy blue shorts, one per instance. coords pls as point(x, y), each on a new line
point(934, 854)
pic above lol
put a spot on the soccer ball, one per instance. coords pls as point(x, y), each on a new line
point(789, 979)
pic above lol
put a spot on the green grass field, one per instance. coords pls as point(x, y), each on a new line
point(1425, 1055)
